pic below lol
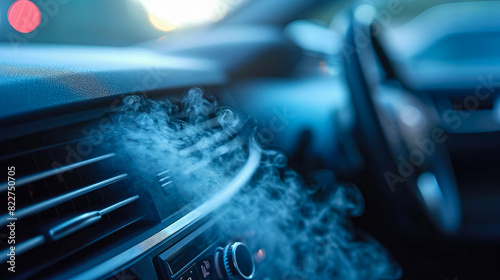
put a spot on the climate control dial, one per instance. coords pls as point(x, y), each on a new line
point(235, 262)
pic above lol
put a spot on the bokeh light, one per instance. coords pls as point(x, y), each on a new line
point(167, 15)
point(24, 16)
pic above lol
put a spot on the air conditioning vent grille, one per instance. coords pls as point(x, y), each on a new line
point(62, 209)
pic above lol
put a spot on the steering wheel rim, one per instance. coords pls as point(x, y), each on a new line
point(395, 122)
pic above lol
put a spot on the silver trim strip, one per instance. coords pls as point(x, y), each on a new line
point(239, 181)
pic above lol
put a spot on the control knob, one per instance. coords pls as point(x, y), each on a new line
point(235, 262)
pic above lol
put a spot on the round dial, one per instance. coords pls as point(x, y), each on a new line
point(237, 261)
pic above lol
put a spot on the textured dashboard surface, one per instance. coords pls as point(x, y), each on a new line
point(47, 80)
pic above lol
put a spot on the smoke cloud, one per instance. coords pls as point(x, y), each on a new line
point(297, 230)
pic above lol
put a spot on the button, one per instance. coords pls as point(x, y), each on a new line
point(205, 269)
point(190, 274)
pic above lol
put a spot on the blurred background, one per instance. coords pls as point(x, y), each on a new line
point(118, 22)
point(126, 22)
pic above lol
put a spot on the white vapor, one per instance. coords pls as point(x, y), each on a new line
point(304, 229)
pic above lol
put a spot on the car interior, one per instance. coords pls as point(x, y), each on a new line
point(249, 139)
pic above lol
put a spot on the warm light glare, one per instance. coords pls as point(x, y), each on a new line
point(24, 16)
point(260, 255)
point(160, 23)
point(168, 14)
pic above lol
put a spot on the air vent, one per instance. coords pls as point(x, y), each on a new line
point(62, 210)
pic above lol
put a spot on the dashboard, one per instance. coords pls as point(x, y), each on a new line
point(118, 154)
point(70, 184)
point(92, 202)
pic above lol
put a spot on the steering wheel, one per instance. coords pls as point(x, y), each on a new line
point(400, 129)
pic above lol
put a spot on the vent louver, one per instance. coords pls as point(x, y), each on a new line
point(61, 212)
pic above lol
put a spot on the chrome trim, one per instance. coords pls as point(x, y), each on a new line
point(44, 174)
point(44, 205)
point(177, 246)
point(235, 261)
point(235, 185)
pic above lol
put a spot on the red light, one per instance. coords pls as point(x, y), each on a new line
point(24, 16)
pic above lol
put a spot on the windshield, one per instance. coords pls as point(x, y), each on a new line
point(109, 22)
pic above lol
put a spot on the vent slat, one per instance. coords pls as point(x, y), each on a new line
point(68, 227)
point(52, 172)
point(164, 178)
point(228, 147)
point(118, 205)
point(73, 225)
point(70, 208)
point(23, 247)
point(166, 184)
point(37, 208)
point(163, 173)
